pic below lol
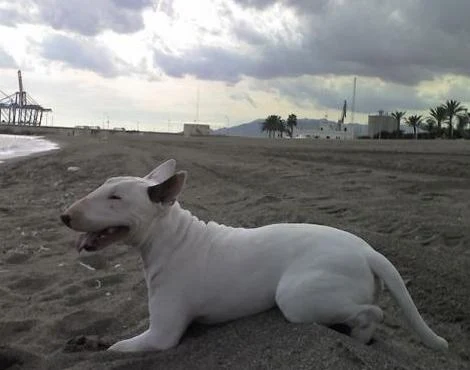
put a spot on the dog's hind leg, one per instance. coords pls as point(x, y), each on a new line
point(364, 322)
point(327, 300)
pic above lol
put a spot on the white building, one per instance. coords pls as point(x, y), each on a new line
point(382, 122)
point(327, 130)
point(193, 129)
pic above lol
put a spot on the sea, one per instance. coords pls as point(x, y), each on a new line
point(12, 146)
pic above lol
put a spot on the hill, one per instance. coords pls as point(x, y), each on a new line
point(253, 128)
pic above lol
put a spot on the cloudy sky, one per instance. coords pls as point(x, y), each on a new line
point(145, 61)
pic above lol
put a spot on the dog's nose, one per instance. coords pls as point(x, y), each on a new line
point(65, 219)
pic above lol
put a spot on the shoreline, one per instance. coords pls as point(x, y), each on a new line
point(50, 146)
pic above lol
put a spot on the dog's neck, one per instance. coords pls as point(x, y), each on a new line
point(177, 228)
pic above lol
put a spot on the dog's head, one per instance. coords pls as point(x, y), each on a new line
point(123, 205)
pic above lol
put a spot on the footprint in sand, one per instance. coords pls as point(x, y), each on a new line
point(83, 322)
point(265, 200)
point(84, 291)
point(94, 289)
point(87, 343)
point(333, 210)
point(16, 258)
point(11, 329)
point(104, 281)
point(451, 238)
point(427, 197)
point(97, 261)
point(389, 226)
point(11, 359)
point(31, 284)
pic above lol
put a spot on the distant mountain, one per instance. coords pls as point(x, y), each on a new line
point(250, 129)
point(253, 128)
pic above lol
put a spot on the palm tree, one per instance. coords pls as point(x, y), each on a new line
point(430, 125)
point(267, 126)
point(272, 124)
point(462, 123)
point(398, 116)
point(291, 123)
point(439, 114)
point(414, 121)
point(280, 127)
point(453, 108)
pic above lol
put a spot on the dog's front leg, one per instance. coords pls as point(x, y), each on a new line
point(165, 332)
point(150, 340)
point(141, 342)
point(168, 320)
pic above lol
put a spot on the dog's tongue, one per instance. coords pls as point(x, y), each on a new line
point(92, 241)
point(84, 240)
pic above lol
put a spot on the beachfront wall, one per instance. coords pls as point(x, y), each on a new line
point(28, 130)
point(48, 130)
point(192, 129)
point(69, 131)
point(325, 134)
point(380, 123)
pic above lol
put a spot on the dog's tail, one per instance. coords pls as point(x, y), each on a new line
point(383, 268)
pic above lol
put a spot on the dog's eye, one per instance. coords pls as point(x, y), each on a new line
point(114, 197)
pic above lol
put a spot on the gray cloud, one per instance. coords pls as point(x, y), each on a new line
point(80, 54)
point(371, 95)
point(208, 63)
point(88, 54)
point(390, 97)
point(401, 41)
point(86, 17)
point(12, 16)
point(6, 60)
point(244, 97)
point(246, 33)
point(316, 6)
point(132, 4)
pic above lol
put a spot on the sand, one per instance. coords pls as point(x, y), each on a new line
point(410, 200)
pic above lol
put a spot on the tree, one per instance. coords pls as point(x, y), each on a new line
point(453, 108)
point(272, 124)
point(290, 124)
point(414, 121)
point(267, 126)
point(430, 125)
point(398, 116)
point(281, 126)
point(439, 114)
point(462, 123)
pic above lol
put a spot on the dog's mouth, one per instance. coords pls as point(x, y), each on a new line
point(93, 241)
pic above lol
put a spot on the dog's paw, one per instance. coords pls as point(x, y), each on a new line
point(140, 343)
point(123, 346)
point(86, 343)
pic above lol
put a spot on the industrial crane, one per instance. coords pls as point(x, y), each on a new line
point(20, 108)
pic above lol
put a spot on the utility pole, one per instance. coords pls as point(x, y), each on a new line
point(353, 105)
point(197, 106)
point(228, 124)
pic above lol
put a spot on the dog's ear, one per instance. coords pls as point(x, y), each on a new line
point(162, 172)
point(167, 191)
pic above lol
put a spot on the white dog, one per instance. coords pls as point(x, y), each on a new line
point(206, 272)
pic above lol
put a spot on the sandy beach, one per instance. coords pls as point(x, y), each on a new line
point(410, 200)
